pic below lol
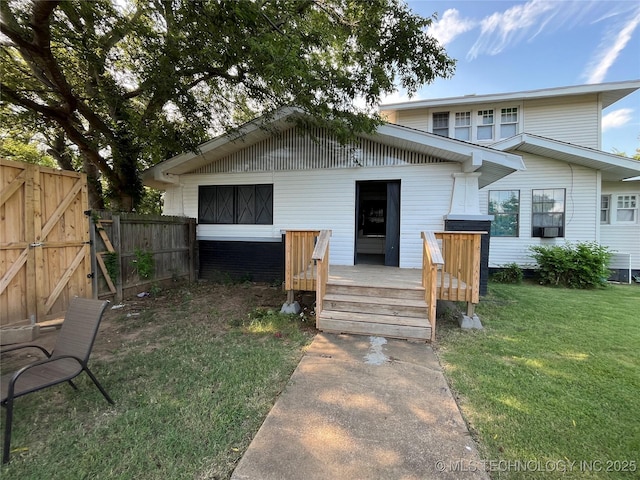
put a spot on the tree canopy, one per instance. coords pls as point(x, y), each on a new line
point(117, 86)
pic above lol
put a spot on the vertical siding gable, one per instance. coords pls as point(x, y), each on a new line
point(291, 151)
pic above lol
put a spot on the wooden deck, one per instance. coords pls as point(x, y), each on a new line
point(389, 277)
point(387, 301)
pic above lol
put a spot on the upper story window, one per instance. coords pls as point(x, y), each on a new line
point(627, 209)
point(508, 122)
point(548, 207)
point(441, 123)
point(485, 125)
point(463, 126)
point(504, 205)
point(235, 204)
point(605, 209)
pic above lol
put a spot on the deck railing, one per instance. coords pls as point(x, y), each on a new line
point(461, 270)
point(431, 261)
point(300, 269)
point(307, 263)
point(321, 258)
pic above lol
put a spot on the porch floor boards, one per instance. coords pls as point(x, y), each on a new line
point(381, 276)
point(390, 277)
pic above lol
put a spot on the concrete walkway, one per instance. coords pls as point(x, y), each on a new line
point(361, 407)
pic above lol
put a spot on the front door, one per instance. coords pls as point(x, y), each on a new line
point(377, 239)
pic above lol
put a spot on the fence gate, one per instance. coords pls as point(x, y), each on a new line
point(44, 242)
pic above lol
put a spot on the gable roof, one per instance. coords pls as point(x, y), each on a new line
point(492, 163)
point(613, 167)
point(610, 93)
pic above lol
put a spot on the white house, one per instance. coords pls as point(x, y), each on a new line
point(376, 194)
point(570, 190)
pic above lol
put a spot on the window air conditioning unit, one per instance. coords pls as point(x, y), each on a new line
point(550, 232)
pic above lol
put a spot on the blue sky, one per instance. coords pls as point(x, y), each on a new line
point(509, 46)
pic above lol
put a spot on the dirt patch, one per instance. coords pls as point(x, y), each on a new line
point(214, 307)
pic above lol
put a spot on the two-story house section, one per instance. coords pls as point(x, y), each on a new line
point(570, 191)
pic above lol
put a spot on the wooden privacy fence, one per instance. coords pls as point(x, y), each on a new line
point(44, 242)
point(135, 253)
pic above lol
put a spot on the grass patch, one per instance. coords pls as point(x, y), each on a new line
point(554, 378)
point(193, 375)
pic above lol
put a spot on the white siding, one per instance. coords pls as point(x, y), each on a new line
point(581, 207)
point(573, 120)
point(173, 201)
point(418, 119)
point(325, 199)
point(622, 238)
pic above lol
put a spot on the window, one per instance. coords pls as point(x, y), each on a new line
point(508, 122)
point(504, 205)
point(485, 125)
point(605, 206)
point(441, 123)
point(626, 208)
point(548, 213)
point(463, 126)
point(236, 204)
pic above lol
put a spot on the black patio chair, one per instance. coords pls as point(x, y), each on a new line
point(67, 360)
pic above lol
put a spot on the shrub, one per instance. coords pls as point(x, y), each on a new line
point(579, 265)
point(143, 263)
point(509, 273)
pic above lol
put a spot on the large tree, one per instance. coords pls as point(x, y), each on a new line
point(126, 84)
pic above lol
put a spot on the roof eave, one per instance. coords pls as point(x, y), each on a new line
point(472, 157)
point(613, 167)
point(611, 93)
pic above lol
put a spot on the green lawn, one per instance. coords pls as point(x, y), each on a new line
point(553, 379)
point(193, 375)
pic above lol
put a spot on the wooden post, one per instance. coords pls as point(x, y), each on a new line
point(117, 246)
point(30, 237)
point(94, 254)
point(192, 250)
point(470, 309)
point(39, 236)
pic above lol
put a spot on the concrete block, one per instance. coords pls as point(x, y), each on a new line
point(470, 323)
point(26, 333)
point(291, 308)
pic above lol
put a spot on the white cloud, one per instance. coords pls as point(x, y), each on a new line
point(612, 44)
point(617, 118)
point(450, 26)
point(503, 29)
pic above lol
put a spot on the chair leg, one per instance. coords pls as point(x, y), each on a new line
point(102, 390)
point(72, 384)
point(7, 430)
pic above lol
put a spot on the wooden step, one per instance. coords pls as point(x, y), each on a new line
point(375, 318)
point(416, 293)
point(378, 305)
point(409, 328)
